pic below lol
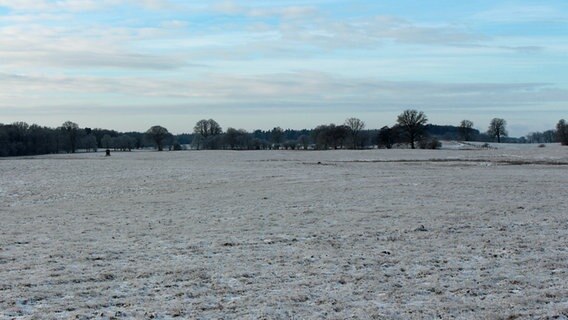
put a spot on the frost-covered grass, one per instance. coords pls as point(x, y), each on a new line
point(377, 234)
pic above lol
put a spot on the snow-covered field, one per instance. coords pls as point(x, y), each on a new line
point(375, 234)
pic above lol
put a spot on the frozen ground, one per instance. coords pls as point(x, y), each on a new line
point(377, 234)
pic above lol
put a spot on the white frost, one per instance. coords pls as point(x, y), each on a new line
point(396, 234)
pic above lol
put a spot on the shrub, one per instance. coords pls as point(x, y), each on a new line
point(434, 144)
point(429, 144)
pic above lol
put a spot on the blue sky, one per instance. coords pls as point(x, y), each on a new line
point(128, 65)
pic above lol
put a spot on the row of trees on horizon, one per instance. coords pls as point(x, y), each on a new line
point(411, 130)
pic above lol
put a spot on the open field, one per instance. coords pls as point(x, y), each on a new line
point(376, 234)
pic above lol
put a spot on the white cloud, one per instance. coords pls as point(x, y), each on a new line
point(174, 24)
point(34, 18)
point(86, 99)
point(300, 88)
point(41, 46)
point(523, 13)
point(79, 5)
point(375, 31)
point(286, 12)
point(52, 6)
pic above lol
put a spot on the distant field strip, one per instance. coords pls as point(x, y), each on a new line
point(495, 161)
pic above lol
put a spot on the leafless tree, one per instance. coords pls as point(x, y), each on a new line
point(72, 131)
point(158, 134)
point(326, 136)
point(106, 141)
point(277, 135)
point(466, 130)
point(562, 132)
point(355, 126)
point(207, 128)
point(90, 143)
point(497, 129)
point(304, 141)
point(207, 134)
point(412, 123)
point(387, 137)
point(548, 136)
point(236, 139)
point(125, 142)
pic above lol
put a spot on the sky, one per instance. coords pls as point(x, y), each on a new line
point(131, 64)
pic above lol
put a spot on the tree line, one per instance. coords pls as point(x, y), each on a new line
point(411, 129)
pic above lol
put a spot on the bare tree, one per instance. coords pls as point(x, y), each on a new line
point(207, 134)
point(125, 142)
point(326, 136)
point(562, 132)
point(548, 136)
point(277, 135)
point(412, 124)
point(106, 141)
point(355, 126)
point(207, 128)
point(387, 137)
point(339, 134)
point(236, 139)
point(90, 143)
point(158, 134)
point(497, 129)
point(231, 138)
point(304, 141)
point(201, 128)
point(72, 131)
point(197, 141)
point(466, 130)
